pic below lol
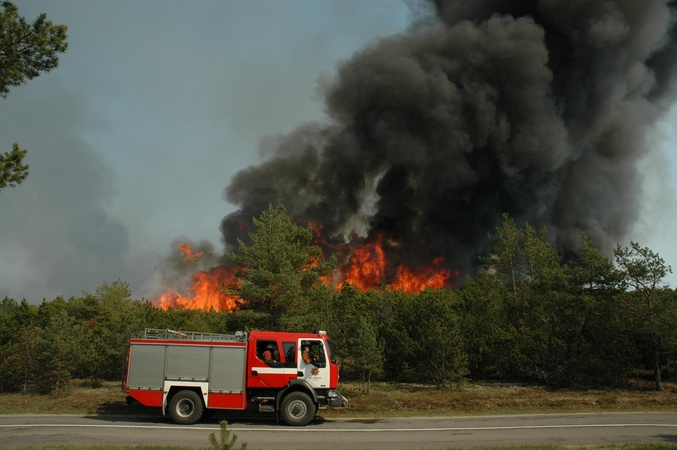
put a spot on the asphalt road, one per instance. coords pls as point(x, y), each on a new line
point(394, 433)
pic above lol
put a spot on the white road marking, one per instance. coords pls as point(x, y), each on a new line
point(348, 430)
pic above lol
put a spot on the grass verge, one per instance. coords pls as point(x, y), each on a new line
point(384, 400)
point(534, 447)
point(387, 400)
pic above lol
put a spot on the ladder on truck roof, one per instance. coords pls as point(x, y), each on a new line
point(167, 334)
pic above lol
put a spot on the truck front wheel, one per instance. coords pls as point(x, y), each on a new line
point(298, 409)
point(185, 407)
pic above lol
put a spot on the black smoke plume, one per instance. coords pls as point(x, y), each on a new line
point(535, 108)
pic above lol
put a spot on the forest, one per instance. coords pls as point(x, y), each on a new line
point(526, 316)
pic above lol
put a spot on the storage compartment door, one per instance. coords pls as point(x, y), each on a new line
point(146, 367)
point(226, 380)
point(186, 362)
point(227, 370)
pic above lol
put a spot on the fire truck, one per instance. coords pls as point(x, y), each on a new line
point(192, 375)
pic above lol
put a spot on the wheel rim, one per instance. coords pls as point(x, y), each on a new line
point(297, 409)
point(185, 407)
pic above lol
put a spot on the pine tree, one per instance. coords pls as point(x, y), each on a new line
point(280, 272)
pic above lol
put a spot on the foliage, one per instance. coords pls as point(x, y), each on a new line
point(530, 283)
point(433, 329)
point(643, 269)
point(59, 349)
point(562, 324)
point(226, 440)
point(490, 337)
point(18, 338)
point(528, 316)
point(355, 336)
point(650, 308)
point(111, 318)
point(506, 264)
point(423, 338)
point(281, 272)
point(12, 169)
point(604, 350)
point(20, 361)
point(27, 50)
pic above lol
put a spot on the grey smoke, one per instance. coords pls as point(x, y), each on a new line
point(535, 108)
point(175, 269)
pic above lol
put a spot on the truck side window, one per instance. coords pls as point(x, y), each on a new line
point(289, 349)
point(316, 352)
point(268, 352)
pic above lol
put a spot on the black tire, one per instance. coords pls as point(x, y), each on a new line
point(186, 407)
point(298, 409)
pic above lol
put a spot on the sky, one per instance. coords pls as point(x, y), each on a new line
point(156, 104)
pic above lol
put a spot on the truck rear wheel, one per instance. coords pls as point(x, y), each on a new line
point(185, 407)
point(298, 409)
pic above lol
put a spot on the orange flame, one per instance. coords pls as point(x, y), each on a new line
point(206, 289)
point(317, 230)
point(419, 279)
point(367, 269)
point(367, 265)
point(188, 254)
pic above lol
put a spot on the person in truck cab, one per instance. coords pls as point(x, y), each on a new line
point(308, 357)
point(268, 354)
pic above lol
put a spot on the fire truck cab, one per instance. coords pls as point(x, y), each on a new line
point(191, 375)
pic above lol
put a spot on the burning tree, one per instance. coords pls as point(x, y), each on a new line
point(281, 273)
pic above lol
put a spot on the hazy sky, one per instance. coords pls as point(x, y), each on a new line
point(157, 104)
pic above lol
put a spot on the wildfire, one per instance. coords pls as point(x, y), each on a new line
point(417, 280)
point(188, 254)
point(317, 231)
point(206, 288)
point(368, 267)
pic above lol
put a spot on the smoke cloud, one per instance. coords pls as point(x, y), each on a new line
point(535, 108)
point(175, 269)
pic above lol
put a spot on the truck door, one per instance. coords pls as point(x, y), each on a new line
point(267, 368)
point(312, 363)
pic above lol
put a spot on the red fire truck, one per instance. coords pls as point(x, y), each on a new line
point(192, 375)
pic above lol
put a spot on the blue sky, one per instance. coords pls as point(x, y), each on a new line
point(157, 104)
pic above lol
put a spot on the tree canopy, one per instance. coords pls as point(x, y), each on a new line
point(530, 316)
point(281, 271)
point(26, 51)
point(12, 169)
point(650, 314)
